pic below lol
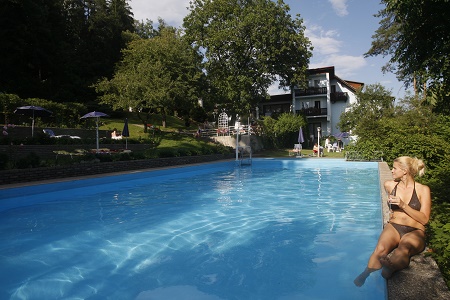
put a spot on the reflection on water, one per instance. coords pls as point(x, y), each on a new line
point(277, 230)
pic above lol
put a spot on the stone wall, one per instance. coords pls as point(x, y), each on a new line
point(95, 168)
point(244, 140)
point(46, 151)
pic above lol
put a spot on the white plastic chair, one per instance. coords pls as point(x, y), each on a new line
point(298, 149)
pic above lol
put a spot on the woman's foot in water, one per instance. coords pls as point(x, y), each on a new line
point(361, 278)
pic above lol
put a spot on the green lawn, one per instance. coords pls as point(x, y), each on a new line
point(136, 127)
point(175, 140)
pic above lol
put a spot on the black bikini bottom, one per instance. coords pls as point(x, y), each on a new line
point(403, 229)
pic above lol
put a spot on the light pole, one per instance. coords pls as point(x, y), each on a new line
point(237, 125)
point(248, 122)
point(318, 141)
point(215, 112)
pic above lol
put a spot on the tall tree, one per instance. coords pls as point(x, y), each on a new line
point(103, 41)
point(145, 29)
point(56, 49)
point(29, 31)
point(416, 36)
point(373, 103)
point(161, 74)
point(248, 45)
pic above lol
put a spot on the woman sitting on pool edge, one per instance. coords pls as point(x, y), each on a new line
point(410, 208)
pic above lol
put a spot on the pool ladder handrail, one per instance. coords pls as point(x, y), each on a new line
point(245, 155)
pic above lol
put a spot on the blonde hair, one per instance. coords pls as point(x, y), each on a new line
point(413, 165)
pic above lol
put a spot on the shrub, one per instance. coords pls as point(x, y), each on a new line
point(4, 160)
point(282, 132)
point(184, 152)
point(167, 153)
point(32, 160)
point(439, 238)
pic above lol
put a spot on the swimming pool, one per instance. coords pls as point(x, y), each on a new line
point(279, 229)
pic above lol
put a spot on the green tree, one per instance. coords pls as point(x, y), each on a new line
point(161, 74)
point(103, 40)
point(415, 35)
point(283, 131)
point(8, 103)
point(29, 31)
point(409, 128)
point(373, 103)
point(248, 45)
point(56, 49)
point(145, 29)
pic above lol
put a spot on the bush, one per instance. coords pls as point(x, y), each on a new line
point(282, 132)
point(32, 160)
point(167, 153)
point(184, 152)
point(4, 160)
point(439, 238)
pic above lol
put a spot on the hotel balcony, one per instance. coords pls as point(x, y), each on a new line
point(311, 91)
point(313, 112)
point(338, 96)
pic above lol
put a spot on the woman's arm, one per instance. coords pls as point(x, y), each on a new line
point(389, 186)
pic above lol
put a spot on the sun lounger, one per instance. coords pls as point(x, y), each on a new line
point(51, 134)
point(76, 152)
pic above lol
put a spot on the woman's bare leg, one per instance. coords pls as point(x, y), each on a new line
point(410, 244)
point(389, 238)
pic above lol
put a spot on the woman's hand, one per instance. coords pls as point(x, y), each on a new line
point(396, 200)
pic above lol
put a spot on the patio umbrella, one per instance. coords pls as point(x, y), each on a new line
point(341, 135)
point(96, 115)
point(33, 111)
point(300, 136)
point(126, 132)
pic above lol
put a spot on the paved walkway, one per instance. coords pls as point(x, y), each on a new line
point(422, 279)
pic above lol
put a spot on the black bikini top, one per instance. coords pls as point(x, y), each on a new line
point(413, 203)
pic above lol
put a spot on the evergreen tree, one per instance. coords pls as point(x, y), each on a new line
point(56, 49)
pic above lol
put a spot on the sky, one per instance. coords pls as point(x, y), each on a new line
point(339, 30)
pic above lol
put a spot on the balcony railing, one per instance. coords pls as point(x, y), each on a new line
point(338, 96)
point(311, 91)
point(312, 111)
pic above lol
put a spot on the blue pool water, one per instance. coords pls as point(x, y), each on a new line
point(279, 229)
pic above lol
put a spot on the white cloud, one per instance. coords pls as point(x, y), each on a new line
point(327, 52)
point(346, 66)
point(340, 7)
point(325, 42)
point(171, 11)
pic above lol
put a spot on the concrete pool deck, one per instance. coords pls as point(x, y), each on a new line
point(422, 279)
